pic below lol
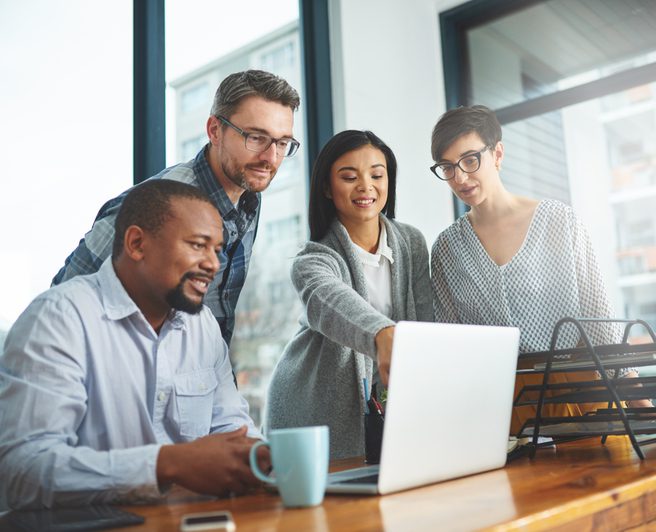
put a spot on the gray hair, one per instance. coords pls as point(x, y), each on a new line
point(240, 85)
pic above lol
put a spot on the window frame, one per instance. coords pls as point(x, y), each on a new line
point(149, 108)
point(150, 83)
point(454, 24)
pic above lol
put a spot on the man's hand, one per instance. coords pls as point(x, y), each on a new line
point(383, 341)
point(216, 464)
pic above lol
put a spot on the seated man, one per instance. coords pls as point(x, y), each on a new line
point(116, 384)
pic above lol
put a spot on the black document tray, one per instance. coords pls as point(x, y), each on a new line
point(607, 361)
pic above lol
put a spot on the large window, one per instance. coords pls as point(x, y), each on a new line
point(65, 133)
point(200, 52)
point(67, 140)
point(574, 84)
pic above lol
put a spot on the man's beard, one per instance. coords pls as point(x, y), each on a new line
point(238, 177)
point(179, 301)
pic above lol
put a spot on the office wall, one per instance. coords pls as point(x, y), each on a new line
point(387, 77)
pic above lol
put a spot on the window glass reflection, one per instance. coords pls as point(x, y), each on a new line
point(557, 44)
point(605, 167)
point(598, 155)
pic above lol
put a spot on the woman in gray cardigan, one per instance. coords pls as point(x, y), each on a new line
point(361, 272)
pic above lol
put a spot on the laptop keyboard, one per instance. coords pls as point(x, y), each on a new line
point(371, 479)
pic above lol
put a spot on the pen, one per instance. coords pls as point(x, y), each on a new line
point(374, 406)
point(379, 407)
point(366, 395)
point(374, 398)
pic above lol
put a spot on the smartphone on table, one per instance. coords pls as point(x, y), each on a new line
point(221, 520)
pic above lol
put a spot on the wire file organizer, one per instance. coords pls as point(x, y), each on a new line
point(613, 420)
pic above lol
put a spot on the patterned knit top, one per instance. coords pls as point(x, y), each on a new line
point(554, 274)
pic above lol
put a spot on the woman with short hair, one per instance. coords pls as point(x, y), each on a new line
point(511, 260)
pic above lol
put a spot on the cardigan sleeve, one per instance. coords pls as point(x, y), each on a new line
point(421, 288)
point(333, 307)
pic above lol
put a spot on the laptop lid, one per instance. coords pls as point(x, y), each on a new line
point(448, 406)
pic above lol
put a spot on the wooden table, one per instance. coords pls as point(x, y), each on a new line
point(578, 486)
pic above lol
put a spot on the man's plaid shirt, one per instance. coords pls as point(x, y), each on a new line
point(239, 230)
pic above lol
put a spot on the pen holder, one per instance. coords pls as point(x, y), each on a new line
point(373, 436)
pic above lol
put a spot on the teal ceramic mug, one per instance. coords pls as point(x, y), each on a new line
point(300, 464)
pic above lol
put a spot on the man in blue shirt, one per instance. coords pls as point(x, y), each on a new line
point(249, 134)
point(116, 384)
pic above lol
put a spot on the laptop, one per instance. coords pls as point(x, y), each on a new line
point(449, 404)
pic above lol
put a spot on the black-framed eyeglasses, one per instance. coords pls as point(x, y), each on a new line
point(468, 164)
point(259, 142)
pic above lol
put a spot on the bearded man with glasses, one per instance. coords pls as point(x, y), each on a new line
point(249, 134)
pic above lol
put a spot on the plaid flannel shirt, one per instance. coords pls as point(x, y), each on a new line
point(239, 230)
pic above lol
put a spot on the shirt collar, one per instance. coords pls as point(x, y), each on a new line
point(117, 302)
point(383, 247)
point(373, 259)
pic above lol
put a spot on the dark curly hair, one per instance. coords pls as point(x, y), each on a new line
point(148, 205)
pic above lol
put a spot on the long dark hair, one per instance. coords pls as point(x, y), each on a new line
point(321, 212)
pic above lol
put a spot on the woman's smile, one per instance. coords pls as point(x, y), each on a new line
point(358, 186)
point(364, 203)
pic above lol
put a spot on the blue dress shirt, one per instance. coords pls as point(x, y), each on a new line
point(89, 392)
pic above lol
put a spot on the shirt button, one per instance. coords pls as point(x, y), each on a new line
point(161, 396)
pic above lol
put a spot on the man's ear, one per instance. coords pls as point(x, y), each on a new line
point(214, 130)
point(133, 243)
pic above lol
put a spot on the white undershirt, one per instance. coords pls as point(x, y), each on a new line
point(378, 275)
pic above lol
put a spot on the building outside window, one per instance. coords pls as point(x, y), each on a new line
point(280, 57)
point(195, 97)
point(190, 147)
point(285, 230)
point(574, 85)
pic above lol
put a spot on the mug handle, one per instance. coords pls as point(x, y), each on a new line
point(254, 467)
